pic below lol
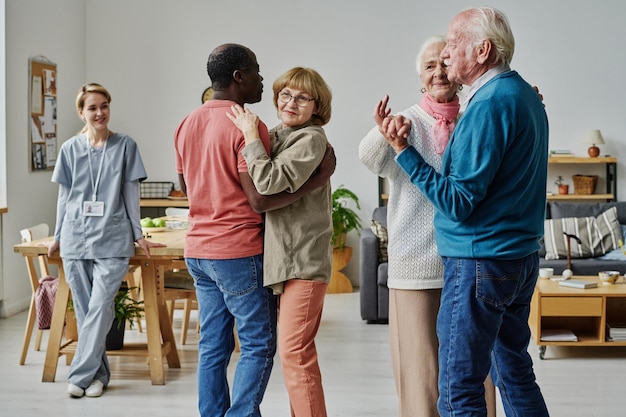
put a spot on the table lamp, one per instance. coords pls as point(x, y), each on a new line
point(595, 138)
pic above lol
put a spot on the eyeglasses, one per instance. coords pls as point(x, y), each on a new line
point(301, 101)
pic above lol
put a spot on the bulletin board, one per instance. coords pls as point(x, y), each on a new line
point(42, 104)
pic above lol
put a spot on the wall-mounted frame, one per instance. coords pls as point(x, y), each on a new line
point(42, 120)
point(207, 94)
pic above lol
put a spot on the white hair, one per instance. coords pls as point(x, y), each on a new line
point(427, 43)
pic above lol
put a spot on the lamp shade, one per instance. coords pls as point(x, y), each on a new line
point(594, 137)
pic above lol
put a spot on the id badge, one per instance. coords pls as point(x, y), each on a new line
point(93, 208)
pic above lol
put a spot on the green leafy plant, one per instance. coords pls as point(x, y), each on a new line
point(125, 308)
point(559, 181)
point(345, 219)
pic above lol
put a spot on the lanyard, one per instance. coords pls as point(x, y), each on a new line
point(97, 182)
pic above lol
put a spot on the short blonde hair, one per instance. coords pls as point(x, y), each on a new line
point(311, 82)
point(82, 95)
point(90, 88)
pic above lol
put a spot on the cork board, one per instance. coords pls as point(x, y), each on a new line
point(42, 123)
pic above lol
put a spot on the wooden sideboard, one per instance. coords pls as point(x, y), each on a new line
point(585, 312)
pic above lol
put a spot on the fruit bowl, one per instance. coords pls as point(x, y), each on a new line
point(608, 277)
point(177, 224)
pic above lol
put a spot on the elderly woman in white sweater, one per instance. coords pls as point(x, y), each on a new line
point(415, 276)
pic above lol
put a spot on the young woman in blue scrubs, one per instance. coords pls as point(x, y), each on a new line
point(97, 225)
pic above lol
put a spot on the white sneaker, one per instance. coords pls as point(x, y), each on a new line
point(95, 389)
point(75, 390)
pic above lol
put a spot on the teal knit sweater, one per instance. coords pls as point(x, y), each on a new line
point(490, 195)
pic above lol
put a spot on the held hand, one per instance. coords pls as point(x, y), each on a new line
point(396, 130)
point(538, 93)
point(327, 167)
point(381, 111)
point(146, 245)
point(322, 174)
point(403, 126)
point(246, 121)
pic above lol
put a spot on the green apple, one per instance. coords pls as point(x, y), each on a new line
point(147, 222)
point(158, 222)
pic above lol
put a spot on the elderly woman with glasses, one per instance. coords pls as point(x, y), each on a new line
point(298, 254)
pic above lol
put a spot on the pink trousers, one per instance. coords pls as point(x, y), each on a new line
point(299, 315)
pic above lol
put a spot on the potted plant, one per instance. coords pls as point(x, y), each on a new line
point(563, 188)
point(125, 308)
point(345, 219)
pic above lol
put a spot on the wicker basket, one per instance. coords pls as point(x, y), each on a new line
point(585, 184)
point(159, 189)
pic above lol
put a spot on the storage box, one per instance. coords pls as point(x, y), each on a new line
point(585, 184)
point(156, 189)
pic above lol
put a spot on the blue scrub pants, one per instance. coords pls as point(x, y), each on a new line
point(94, 284)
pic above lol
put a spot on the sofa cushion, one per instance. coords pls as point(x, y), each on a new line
point(616, 254)
point(381, 233)
point(380, 215)
point(560, 210)
point(598, 235)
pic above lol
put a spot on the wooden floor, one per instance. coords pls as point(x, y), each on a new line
point(354, 358)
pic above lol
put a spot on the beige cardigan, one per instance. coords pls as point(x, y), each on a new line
point(297, 237)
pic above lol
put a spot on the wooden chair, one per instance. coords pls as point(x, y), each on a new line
point(38, 231)
point(179, 284)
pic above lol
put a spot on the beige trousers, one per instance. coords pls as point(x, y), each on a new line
point(414, 345)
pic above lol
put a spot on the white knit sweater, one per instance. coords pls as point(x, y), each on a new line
point(414, 263)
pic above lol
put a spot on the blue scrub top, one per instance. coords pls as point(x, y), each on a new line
point(110, 235)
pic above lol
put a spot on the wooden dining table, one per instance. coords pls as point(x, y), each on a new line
point(160, 336)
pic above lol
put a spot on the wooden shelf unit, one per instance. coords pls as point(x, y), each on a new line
point(383, 197)
point(585, 312)
point(610, 177)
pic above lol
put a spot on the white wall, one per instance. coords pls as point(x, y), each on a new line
point(152, 55)
point(57, 30)
point(3, 154)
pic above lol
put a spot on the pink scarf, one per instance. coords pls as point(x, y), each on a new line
point(445, 113)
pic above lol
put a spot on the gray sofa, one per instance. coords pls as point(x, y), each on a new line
point(586, 266)
point(373, 274)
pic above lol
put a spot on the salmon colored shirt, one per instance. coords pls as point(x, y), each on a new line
point(222, 225)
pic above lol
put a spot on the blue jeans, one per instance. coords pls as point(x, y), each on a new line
point(231, 291)
point(483, 327)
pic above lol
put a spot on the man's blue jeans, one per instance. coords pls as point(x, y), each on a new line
point(483, 327)
point(231, 292)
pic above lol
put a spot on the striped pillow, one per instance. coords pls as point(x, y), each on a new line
point(598, 235)
point(381, 233)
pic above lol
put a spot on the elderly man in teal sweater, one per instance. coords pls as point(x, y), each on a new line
point(490, 204)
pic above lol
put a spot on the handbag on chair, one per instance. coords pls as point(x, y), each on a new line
point(44, 300)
